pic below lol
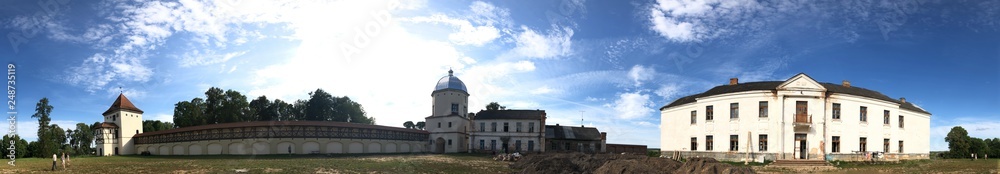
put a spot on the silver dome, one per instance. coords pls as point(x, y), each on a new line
point(450, 82)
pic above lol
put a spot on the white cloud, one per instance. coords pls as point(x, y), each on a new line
point(556, 43)
point(481, 27)
point(632, 105)
point(542, 90)
point(697, 20)
point(638, 74)
point(668, 90)
point(207, 57)
point(646, 123)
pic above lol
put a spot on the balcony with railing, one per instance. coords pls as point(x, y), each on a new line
point(803, 120)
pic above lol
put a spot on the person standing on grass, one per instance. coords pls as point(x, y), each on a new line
point(53, 162)
point(64, 160)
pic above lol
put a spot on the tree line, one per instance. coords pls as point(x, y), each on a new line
point(960, 145)
point(52, 139)
point(230, 106)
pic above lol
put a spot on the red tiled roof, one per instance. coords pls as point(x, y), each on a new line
point(122, 103)
point(107, 125)
point(278, 123)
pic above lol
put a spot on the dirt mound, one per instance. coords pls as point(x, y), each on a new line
point(710, 165)
point(648, 165)
point(617, 163)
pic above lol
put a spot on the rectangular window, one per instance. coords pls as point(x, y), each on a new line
point(439, 124)
point(885, 145)
point(506, 127)
point(734, 142)
point(494, 124)
point(482, 144)
point(762, 111)
point(449, 142)
point(694, 143)
point(531, 145)
point(531, 126)
point(708, 112)
point(518, 127)
point(863, 145)
point(763, 143)
point(836, 144)
point(900, 121)
point(694, 117)
point(734, 110)
point(836, 111)
point(708, 143)
point(454, 108)
point(449, 124)
point(482, 127)
point(900, 146)
point(864, 114)
point(885, 117)
point(517, 145)
point(493, 144)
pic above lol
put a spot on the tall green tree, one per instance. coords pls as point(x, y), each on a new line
point(262, 110)
point(409, 125)
point(234, 108)
point(958, 142)
point(495, 106)
point(85, 138)
point(420, 125)
point(42, 113)
point(20, 146)
point(282, 110)
point(214, 99)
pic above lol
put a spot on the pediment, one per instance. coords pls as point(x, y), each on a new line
point(801, 81)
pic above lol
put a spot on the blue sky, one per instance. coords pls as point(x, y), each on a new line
point(611, 63)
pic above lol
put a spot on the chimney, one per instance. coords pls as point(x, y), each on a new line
point(902, 99)
point(847, 83)
point(604, 135)
point(734, 81)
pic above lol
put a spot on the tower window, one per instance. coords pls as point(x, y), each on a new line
point(454, 108)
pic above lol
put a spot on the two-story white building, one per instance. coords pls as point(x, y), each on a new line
point(798, 118)
point(509, 131)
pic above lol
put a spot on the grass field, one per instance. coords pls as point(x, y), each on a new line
point(396, 163)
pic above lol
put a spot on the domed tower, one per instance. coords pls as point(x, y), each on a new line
point(449, 122)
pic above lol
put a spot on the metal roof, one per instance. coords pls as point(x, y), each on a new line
point(572, 133)
point(450, 82)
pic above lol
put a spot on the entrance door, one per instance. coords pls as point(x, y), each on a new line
point(801, 146)
point(439, 145)
point(801, 112)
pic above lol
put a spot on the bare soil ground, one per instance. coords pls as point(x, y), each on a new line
point(618, 163)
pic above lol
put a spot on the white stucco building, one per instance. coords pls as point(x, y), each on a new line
point(449, 121)
point(122, 121)
point(798, 118)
